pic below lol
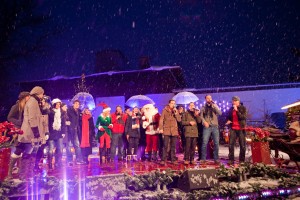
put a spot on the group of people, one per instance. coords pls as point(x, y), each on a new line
point(121, 135)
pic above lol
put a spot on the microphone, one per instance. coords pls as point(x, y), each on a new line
point(212, 102)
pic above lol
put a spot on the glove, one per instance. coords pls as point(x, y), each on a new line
point(35, 132)
point(63, 135)
point(101, 128)
point(110, 126)
point(46, 137)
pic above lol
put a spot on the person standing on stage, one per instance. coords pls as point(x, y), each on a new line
point(168, 127)
point(33, 133)
point(237, 120)
point(209, 116)
point(74, 114)
point(87, 136)
point(118, 120)
point(150, 123)
point(15, 116)
point(104, 135)
point(57, 130)
point(189, 121)
point(132, 131)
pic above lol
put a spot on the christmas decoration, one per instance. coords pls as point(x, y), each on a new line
point(8, 134)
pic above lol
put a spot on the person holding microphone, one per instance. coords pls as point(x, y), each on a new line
point(168, 127)
point(237, 120)
point(209, 116)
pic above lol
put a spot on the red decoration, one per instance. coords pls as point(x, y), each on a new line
point(4, 159)
point(261, 152)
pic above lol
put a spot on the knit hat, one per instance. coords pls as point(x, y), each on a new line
point(54, 101)
point(37, 90)
point(23, 94)
point(235, 98)
point(105, 106)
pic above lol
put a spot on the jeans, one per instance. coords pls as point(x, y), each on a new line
point(25, 148)
point(58, 151)
point(242, 141)
point(75, 141)
point(169, 140)
point(190, 147)
point(207, 132)
point(117, 142)
point(40, 153)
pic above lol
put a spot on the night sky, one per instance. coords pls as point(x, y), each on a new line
point(217, 43)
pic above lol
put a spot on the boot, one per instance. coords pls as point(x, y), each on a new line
point(108, 155)
point(101, 150)
point(149, 156)
point(50, 160)
point(154, 156)
point(13, 159)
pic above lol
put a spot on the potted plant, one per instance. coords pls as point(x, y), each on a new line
point(8, 135)
point(259, 144)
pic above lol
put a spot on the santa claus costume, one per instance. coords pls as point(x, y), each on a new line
point(150, 124)
point(104, 135)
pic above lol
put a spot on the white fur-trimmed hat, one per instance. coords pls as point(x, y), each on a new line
point(56, 100)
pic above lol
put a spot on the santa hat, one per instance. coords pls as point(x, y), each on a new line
point(105, 106)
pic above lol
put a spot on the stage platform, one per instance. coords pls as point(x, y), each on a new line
point(129, 180)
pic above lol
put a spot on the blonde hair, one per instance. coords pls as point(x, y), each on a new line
point(22, 103)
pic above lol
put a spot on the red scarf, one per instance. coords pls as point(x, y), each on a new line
point(85, 133)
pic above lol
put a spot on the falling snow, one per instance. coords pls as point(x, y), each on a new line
point(217, 44)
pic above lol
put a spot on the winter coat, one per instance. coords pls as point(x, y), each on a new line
point(168, 122)
point(118, 124)
point(92, 132)
point(241, 113)
point(74, 117)
point(189, 130)
point(56, 134)
point(15, 116)
point(33, 118)
point(104, 123)
point(211, 120)
point(133, 132)
point(151, 125)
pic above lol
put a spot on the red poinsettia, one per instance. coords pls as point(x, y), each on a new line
point(8, 134)
point(258, 134)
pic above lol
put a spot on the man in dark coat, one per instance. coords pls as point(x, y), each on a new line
point(74, 115)
point(189, 121)
point(237, 120)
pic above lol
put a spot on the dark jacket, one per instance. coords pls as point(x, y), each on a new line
point(66, 118)
point(128, 126)
point(74, 118)
point(55, 134)
point(241, 113)
point(168, 122)
point(189, 130)
point(15, 116)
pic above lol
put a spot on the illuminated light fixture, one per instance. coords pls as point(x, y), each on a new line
point(291, 105)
